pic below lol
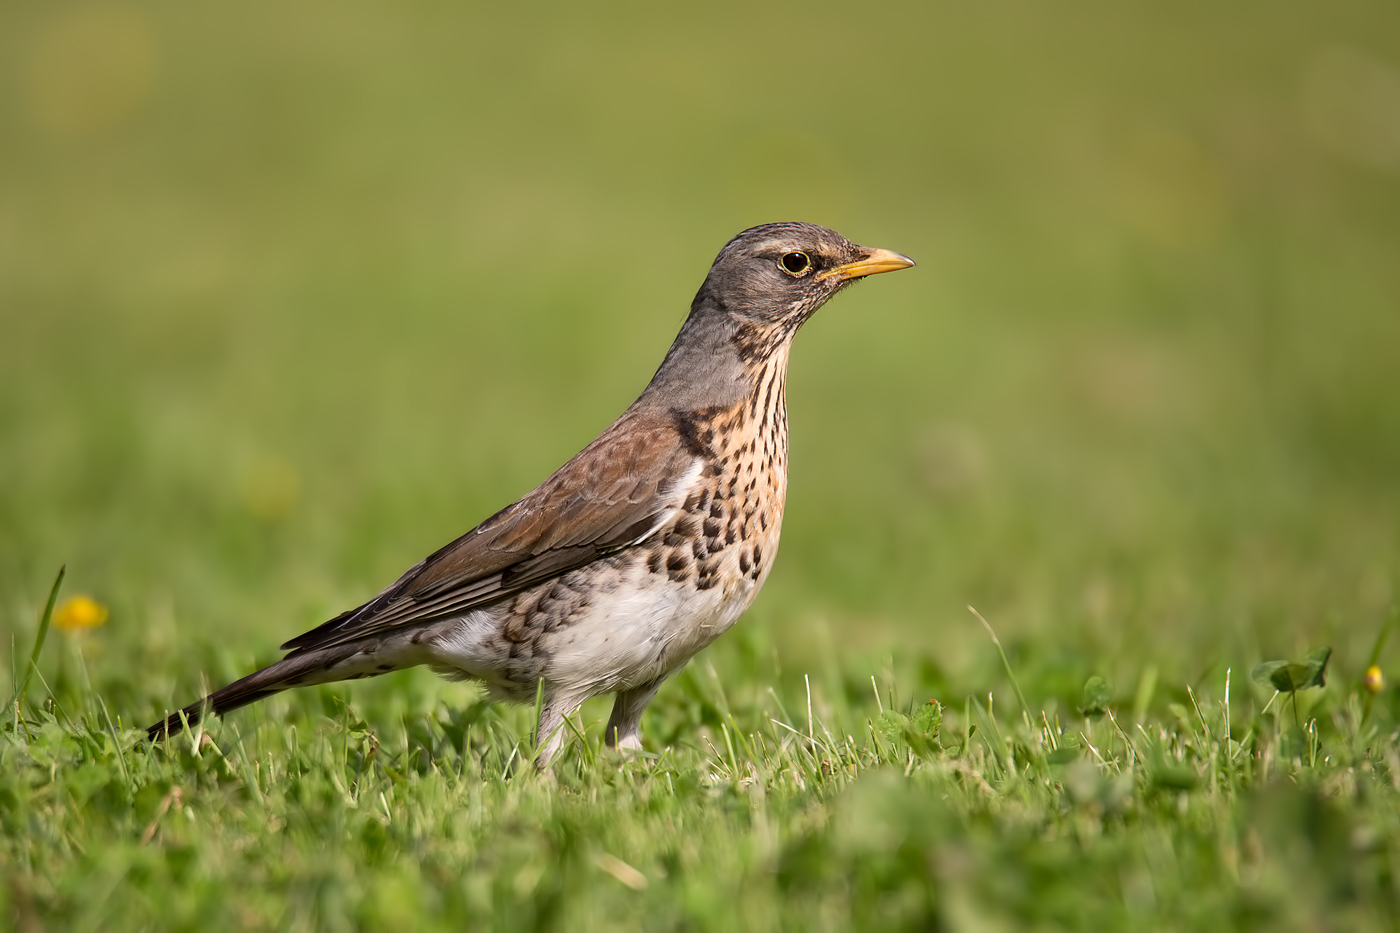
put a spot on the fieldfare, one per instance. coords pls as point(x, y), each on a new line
point(634, 555)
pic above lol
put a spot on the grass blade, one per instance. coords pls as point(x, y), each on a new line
point(1020, 697)
point(18, 699)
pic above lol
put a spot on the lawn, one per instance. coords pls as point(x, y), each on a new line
point(290, 297)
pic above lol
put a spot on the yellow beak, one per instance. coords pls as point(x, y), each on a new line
point(873, 262)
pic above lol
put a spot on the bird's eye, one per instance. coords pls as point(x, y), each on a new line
point(797, 263)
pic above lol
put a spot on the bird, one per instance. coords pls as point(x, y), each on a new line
point(635, 554)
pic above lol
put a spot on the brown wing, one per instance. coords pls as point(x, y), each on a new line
point(615, 492)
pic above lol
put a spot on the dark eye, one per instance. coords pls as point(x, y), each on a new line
point(796, 263)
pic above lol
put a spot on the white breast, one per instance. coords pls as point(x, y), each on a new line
point(650, 628)
point(646, 627)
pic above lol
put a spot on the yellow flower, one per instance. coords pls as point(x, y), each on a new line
point(1373, 680)
point(79, 613)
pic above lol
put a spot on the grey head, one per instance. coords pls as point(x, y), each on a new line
point(764, 284)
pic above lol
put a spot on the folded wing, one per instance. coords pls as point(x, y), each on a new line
point(617, 492)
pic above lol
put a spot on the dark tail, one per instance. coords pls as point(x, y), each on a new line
point(303, 668)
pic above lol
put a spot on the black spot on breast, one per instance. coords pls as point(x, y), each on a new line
point(712, 527)
point(696, 430)
point(677, 561)
point(744, 564)
point(655, 561)
point(682, 533)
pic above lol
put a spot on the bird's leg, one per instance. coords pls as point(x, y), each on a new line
point(549, 732)
point(625, 724)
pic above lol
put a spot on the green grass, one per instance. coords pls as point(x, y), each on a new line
point(769, 806)
point(289, 298)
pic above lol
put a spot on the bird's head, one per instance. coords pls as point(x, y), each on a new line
point(772, 278)
point(763, 285)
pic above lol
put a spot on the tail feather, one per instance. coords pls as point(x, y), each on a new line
point(301, 669)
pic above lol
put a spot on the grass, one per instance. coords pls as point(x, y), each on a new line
point(820, 805)
point(292, 297)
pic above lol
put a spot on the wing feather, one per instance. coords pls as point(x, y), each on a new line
point(615, 493)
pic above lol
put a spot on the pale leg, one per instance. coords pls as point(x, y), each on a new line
point(550, 732)
point(625, 724)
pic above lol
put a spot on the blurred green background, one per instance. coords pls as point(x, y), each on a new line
point(292, 294)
